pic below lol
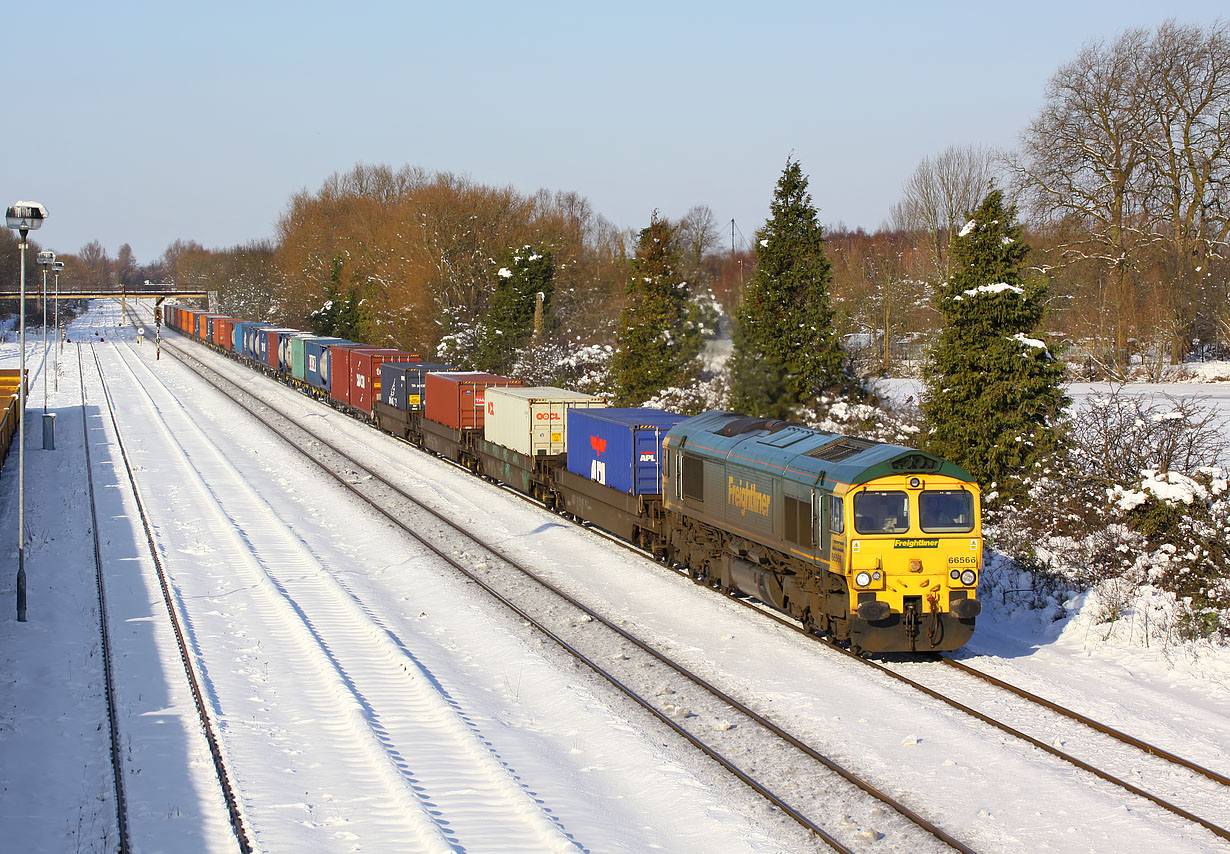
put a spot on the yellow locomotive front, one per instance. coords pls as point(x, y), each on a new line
point(912, 560)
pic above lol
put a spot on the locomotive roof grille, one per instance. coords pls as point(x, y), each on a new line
point(843, 448)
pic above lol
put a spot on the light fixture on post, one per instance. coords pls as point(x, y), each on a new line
point(57, 267)
point(45, 259)
point(22, 217)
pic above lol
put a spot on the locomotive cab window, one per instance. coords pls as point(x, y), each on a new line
point(946, 511)
point(837, 516)
point(881, 512)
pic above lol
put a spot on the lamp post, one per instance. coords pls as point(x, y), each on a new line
point(57, 267)
point(22, 217)
point(45, 259)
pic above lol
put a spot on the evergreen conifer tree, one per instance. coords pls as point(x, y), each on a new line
point(659, 334)
point(993, 394)
point(337, 317)
point(786, 352)
point(522, 274)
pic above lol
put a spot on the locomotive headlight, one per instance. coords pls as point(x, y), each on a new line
point(969, 577)
point(877, 575)
point(862, 579)
point(955, 575)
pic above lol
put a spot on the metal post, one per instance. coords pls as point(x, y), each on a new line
point(22, 218)
point(59, 336)
point(21, 446)
point(44, 339)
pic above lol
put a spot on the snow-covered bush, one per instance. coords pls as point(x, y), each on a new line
point(1138, 508)
point(583, 368)
point(461, 340)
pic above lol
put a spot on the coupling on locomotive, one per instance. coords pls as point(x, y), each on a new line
point(875, 545)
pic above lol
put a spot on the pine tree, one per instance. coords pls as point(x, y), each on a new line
point(786, 353)
point(659, 335)
point(338, 317)
point(522, 275)
point(993, 394)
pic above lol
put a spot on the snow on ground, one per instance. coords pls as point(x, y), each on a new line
point(305, 610)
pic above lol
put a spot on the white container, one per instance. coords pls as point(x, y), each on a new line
point(532, 421)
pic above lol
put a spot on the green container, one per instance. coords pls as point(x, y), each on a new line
point(298, 363)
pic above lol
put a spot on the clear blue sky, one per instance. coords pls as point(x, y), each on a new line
point(147, 122)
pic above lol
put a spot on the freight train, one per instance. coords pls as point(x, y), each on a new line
point(876, 545)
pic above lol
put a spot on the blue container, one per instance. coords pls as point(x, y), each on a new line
point(621, 448)
point(402, 384)
point(242, 336)
point(316, 360)
point(252, 335)
point(261, 344)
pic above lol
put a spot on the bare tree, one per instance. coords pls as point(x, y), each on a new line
point(1187, 89)
point(938, 198)
point(95, 264)
point(126, 265)
point(1129, 160)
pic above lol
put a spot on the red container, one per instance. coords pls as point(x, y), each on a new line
point(363, 373)
point(339, 370)
point(271, 348)
point(458, 399)
point(224, 332)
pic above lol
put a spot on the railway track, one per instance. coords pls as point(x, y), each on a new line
point(396, 752)
point(715, 722)
point(194, 682)
point(113, 726)
point(1215, 788)
point(1214, 794)
point(1178, 788)
point(1210, 784)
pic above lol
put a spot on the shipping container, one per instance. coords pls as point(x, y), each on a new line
point(265, 344)
point(316, 360)
point(401, 384)
point(363, 372)
point(224, 332)
point(335, 362)
point(340, 374)
point(244, 334)
point(533, 421)
point(203, 325)
point(620, 448)
point(298, 364)
point(458, 400)
point(286, 352)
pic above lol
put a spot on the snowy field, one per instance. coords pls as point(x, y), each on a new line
point(371, 700)
point(1207, 383)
